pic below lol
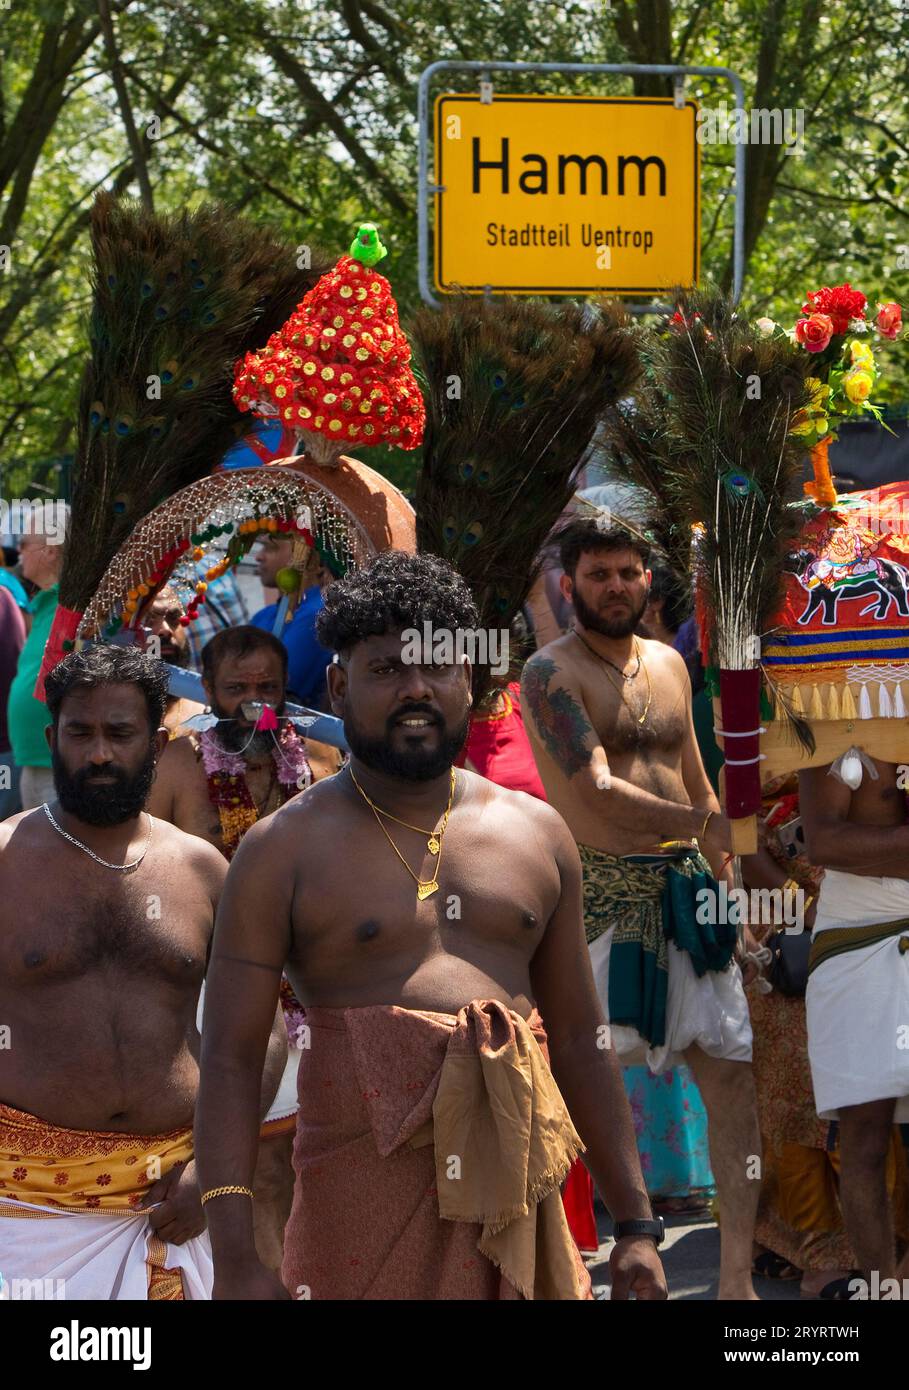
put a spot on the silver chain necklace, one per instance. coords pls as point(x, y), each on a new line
point(120, 868)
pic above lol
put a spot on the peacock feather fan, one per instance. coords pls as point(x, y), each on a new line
point(514, 391)
point(709, 435)
point(176, 300)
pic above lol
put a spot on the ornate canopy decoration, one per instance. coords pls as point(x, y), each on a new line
point(348, 513)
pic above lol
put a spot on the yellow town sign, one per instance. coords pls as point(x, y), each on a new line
point(566, 195)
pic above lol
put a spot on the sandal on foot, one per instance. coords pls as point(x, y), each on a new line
point(771, 1266)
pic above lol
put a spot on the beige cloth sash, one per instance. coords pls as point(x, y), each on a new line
point(504, 1143)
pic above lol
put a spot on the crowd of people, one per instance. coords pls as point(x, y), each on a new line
point(378, 1023)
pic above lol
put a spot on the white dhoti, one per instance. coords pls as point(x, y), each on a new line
point(48, 1254)
point(711, 1011)
point(70, 1223)
point(858, 1000)
point(281, 1115)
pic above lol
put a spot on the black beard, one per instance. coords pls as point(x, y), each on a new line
point(112, 805)
point(607, 627)
point(413, 765)
point(235, 737)
point(176, 656)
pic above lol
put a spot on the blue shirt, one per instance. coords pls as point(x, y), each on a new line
point(306, 657)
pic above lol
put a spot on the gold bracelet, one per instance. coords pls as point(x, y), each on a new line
point(224, 1192)
point(705, 825)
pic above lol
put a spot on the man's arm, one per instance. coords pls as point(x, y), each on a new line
point(586, 1068)
point(832, 841)
point(252, 940)
point(553, 707)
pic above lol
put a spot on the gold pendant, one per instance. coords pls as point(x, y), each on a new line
point(425, 889)
point(433, 845)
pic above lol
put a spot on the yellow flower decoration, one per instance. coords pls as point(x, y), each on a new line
point(813, 418)
point(858, 386)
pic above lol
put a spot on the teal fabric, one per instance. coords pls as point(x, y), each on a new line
point(709, 944)
point(651, 900)
point(17, 589)
point(27, 717)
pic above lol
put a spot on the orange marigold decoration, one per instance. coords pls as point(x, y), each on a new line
point(338, 371)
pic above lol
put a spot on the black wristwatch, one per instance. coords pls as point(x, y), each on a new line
point(622, 1230)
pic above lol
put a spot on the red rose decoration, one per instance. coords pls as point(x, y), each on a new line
point(840, 304)
point(814, 333)
point(889, 320)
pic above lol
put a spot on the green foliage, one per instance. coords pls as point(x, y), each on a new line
point(304, 116)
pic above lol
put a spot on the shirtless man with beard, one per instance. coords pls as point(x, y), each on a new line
point(609, 716)
point(421, 912)
point(240, 666)
point(103, 948)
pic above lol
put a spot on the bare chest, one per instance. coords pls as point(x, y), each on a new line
point(878, 802)
point(635, 717)
point(68, 927)
point(491, 899)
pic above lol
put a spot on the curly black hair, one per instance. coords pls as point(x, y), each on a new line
point(102, 665)
point(393, 592)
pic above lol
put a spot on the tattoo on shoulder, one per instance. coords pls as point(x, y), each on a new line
point(557, 715)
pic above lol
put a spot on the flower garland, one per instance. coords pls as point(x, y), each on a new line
point(228, 788)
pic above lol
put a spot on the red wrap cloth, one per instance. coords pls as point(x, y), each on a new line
point(63, 629)
point(498, 747)
point(740, 709)
point(369, 1220)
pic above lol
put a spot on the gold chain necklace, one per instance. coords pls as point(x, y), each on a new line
point(625, 679)
point(434, 842)
point(425, 887)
